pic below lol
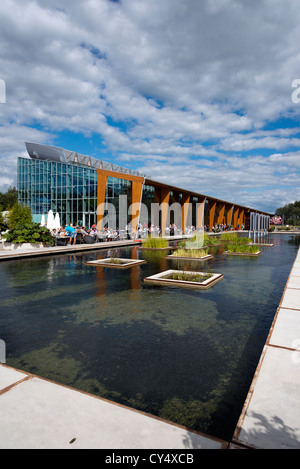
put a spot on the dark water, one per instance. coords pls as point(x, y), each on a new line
point(184, 355)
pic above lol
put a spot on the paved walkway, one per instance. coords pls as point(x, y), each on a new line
point(271, 415)
point(21, 253)
point(38, 414)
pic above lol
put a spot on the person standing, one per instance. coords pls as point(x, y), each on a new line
point(72, 232)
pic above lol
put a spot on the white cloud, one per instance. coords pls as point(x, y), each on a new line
point(181, 88)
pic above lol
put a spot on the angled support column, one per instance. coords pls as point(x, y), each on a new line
point(211, 213)
point(200, 213)
point(136, 197)
point(241, 218)
point(235, 217)
point(165, 197)
point(221, 214)
point(161, 198)
point(185, 210)
point(229, 215)
point(101, 193)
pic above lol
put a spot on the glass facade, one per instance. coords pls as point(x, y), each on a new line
point(67, 189)
point(118, 201)
point(148, 197)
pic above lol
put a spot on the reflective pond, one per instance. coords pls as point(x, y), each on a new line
point(187, 356)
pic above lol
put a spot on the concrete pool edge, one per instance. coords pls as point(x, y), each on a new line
point(271, 413)
point(42, 414)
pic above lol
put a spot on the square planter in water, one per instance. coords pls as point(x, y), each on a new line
point(116, 262)
point(246, 254)
point(189, 258)
point(165, 279)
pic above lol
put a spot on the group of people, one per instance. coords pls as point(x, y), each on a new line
point(72, 234)
point(154, 230)
point(223, 227)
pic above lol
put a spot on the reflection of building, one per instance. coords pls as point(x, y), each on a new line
point(86, 190)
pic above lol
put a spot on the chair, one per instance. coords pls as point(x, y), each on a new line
point(89, 239)
point(79, 238)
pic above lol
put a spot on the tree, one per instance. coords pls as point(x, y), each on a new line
point(290, 213)
point(9, 198)
point(19, 215)
point(2, 221)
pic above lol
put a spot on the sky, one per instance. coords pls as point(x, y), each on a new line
point(200, 94)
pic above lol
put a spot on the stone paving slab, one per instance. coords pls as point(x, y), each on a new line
point(286, 331)
point(38, 414)
point(271, 415)
point(291, 299)
point(272, 418)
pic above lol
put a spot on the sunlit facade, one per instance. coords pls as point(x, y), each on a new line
point(87, 191)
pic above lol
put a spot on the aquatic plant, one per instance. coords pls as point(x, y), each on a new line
point(210, 240)
point(242, 248)
point(194, 253)
point(190, 276)
point(114, 260)
point(234, 238)
point(155, 243)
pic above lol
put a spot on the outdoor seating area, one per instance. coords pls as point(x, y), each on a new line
point(86, 235)
point(64, 236)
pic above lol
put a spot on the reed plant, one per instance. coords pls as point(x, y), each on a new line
point(210, 240)
point(234, 238)
point(114, 260)
point(242, 248)
point(155, 243)
point(190, 276)
point(194, 253)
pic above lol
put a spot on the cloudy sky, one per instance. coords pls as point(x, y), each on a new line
point(202, 94)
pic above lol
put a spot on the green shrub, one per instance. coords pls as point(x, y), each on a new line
point(29, 233)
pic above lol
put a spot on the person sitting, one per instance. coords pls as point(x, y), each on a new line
point(61, 233)
point(93, 231)
point(54, 235)
point(83, 231)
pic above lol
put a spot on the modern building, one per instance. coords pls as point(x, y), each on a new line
point(86, 190)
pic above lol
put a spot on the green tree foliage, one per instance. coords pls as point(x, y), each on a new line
point(8, 199)
point(290, 213)
point(19, 215)
point(2, 221)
